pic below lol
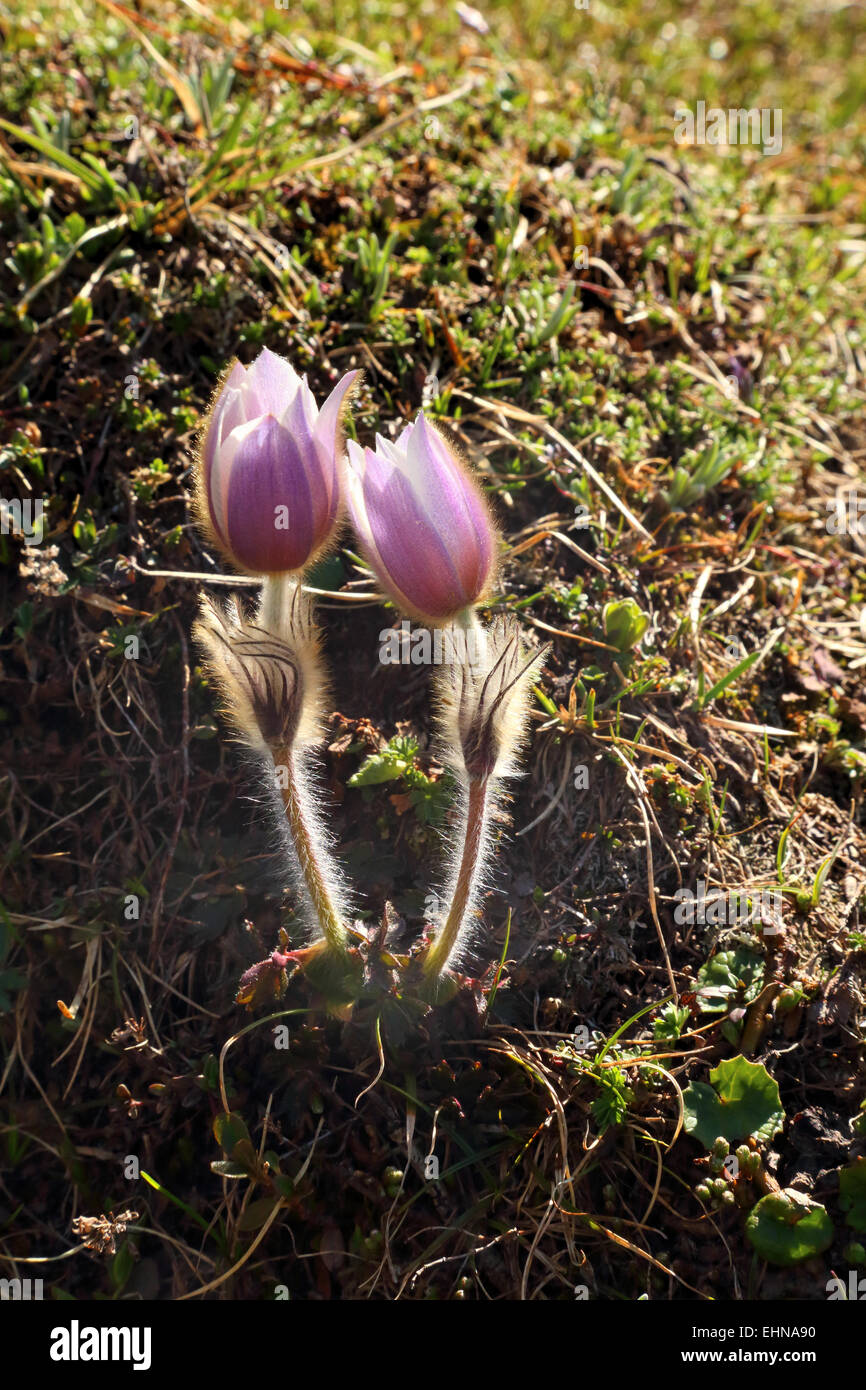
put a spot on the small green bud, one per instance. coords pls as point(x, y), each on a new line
point(392, 1179)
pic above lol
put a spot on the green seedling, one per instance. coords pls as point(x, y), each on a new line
point(697, 474)
point(624, 623)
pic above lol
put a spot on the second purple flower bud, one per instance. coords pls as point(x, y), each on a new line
point(423, 523)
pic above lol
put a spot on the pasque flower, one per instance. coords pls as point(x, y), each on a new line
point(423, 522)
point(270, 478)
point(269, 470)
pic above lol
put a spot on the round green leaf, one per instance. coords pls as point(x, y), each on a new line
point(787, 1227)
point(743, 1102)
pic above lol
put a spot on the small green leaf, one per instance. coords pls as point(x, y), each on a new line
point(229, 1130)
point(742, 1102)
point(227, 1169)
point(244, 1156)
point(257, 1214)
point(379, 767)
point(787, 1227)
point(852, 1190)
point(122, 1265)
point(624, 623)
point(670, 1023)
point(726, 974)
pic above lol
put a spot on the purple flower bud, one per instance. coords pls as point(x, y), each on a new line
point(269, 472)
point(742, 378)
point(422, 521)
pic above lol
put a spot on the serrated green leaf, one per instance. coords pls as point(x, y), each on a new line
point(742, 1102)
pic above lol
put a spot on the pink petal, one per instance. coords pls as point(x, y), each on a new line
point(408, 553)
point(271, 383)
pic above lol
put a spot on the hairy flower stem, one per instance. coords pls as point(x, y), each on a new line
point(312, 859)
point(471, 864)
point(282, 612)
point(272, 599)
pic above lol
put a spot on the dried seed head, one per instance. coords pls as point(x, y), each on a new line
point(101, 1233)
point(268, 675)
point(484, 704)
